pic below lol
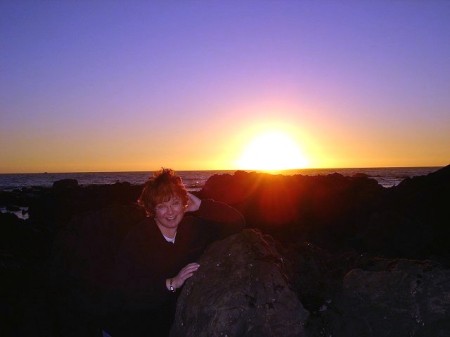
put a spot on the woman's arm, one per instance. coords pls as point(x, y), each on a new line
point(228, 219)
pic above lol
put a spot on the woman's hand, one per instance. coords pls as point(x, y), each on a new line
point(193, 203)
point(183, 275)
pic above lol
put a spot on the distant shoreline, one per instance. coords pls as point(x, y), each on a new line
point(234, 170)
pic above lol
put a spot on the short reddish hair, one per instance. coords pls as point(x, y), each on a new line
point(164, 185)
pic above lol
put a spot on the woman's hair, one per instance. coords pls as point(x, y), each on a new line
point(160, 188)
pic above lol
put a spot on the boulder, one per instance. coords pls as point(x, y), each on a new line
point(241, 289)
point(395, 298)
point(65, 184)
point(325, 210)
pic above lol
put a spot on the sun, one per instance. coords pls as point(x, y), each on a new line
point(272, 151)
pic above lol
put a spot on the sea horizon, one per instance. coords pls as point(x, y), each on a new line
point(195, 179)
point(234, 170)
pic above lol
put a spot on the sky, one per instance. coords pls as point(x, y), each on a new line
point(88, 86)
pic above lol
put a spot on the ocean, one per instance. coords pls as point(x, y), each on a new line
point(194, 180)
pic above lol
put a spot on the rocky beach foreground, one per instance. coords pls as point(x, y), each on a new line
point(321, 256)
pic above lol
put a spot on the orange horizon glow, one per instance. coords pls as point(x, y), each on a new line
point(265, 146)
point(270, 145)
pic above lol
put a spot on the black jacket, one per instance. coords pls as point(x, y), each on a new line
point(142, 305)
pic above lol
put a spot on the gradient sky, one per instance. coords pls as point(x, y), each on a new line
point(136, 85)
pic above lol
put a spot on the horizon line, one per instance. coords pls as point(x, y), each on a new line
point(236, 170)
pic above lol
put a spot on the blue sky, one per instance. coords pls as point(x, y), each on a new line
point(136, 85)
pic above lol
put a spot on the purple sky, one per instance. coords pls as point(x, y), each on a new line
point(136, 85)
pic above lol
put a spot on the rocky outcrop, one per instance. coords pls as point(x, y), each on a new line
point(326, 210)
point(329, 231)
point(340, 214)
point(65, 184)
point(55, 207)
point(412, 220)
point(63, 294)
point(240, 290)
point(394, 298)
point(81, 265)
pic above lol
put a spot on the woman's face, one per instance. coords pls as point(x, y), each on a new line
point(169, 214)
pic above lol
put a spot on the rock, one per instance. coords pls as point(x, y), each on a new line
point(324, 210)
point(81, 265)
point(412, 220)
point(333, 226)
point(16, 238)
point(395, 298)
point(55, 207)
point(342, 214)
point(65, 184)
point(231, 189)
point(239, 290)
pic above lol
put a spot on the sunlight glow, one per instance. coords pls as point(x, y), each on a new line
point(271, 151)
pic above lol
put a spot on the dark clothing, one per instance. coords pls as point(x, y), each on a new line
point(146, 260)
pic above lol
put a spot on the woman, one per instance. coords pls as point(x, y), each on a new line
point(159, 254)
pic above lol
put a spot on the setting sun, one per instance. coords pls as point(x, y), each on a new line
point(272, 151)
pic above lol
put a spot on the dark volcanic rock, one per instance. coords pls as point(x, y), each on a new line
point(328, 229)
point(332, 228)
point(65, 184)
point(326, 210)
point(342, 214)
point(395, 298)
point(82, 261)
point(239, 290)
point(412, 220)
point(55, 207)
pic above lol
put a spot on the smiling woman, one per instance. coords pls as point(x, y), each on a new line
point(271, 151)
